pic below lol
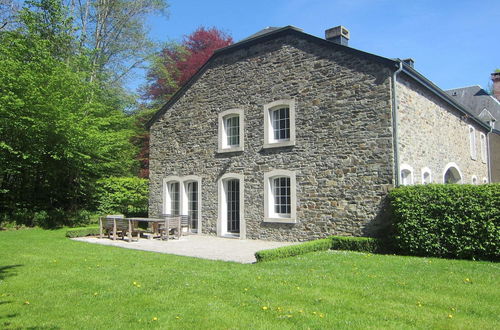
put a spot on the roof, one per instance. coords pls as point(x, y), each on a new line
point(270, 33)
point(478, 100)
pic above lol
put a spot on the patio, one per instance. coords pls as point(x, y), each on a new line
point(198, 246)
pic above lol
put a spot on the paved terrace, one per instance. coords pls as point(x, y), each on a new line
point(199, 246)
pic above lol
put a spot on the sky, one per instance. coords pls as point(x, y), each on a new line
point(454, 43)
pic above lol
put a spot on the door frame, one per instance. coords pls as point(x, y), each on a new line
point(222, 205)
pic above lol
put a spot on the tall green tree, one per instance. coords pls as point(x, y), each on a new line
point(55, 140)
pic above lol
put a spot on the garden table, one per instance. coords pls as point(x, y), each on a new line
point(154, 224)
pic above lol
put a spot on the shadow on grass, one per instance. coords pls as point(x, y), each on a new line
point(6, 271)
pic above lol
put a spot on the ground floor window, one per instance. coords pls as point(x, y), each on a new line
point(452, 174)
point(280, 196)
point(182, 197)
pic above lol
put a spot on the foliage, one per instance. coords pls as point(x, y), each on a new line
point(177, 63)
point(294, 250)
point(59, 133)
point(123, 195)
point(50, 282)
point(360, 244)
point(451, 221)
point(82, 232)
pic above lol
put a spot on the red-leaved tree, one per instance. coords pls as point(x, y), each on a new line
point(174, 66)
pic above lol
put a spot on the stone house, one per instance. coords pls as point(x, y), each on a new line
point(287, 136)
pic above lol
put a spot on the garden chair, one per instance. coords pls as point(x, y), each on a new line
point(167, 227)
point(113, 224)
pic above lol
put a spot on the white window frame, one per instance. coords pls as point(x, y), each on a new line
point(472, 142)
point(426, 170)
point(484, 151)
point(269, 214)
point(406, 167)
point(183, 198)
point(447, 167)
point(222, 205)
point(474, 180)
point(485, 180)
point(269, 141)
point(222, 138)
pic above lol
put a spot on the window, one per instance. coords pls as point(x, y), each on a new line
point(182, 196)
point(192, 201)
point(279, 124)
point(406, 175)
point(280, 196)
point(426, 176)
point(485, 180)
point(173, 198)
point(231, 130)
point(474, 180)
point(452, 174)
point(482, 139)
point(472, 141)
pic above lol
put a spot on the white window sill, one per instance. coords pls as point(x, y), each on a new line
point(279, 144)
point(281, 220)
point(233, 149)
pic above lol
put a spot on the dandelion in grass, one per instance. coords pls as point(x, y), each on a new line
point(450, 316)
point(95, 294)
point(26, 302)
point(155, 318)
point(265, 308)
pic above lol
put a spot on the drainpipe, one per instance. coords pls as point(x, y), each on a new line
point(488, 148)
point(395, 141)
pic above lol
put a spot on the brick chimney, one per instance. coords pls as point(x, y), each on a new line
point(495, 77)
point(338, 34)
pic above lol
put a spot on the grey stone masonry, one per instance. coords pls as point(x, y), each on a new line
point(433, 134)
point(342, 157)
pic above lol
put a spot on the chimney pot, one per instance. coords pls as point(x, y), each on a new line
point(495, 77)
point(409, 61)
point(339, 35)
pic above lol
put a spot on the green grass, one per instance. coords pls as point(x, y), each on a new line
point(78, 285)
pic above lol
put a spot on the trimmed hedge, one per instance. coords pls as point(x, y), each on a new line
point(362, 244)
point(451, 221)
point(82, 232)
point(294, 250)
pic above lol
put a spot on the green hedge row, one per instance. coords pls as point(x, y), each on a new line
point(362, 244)
point(450, 221)
point(123, 195)
point(82, 232)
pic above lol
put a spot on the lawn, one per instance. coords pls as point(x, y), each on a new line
point(49, 281)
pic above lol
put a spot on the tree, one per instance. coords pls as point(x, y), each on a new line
point(114, 34)
point(172, 68)
point(55, 141)
point(177, 63)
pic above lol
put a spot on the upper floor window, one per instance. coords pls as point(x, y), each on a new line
point(231, 130)
point(482, 139)
point(472, 142)
point(279, 124)
point(280, 196)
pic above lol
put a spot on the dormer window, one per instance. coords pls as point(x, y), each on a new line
point(279, 124)
point(231, 130)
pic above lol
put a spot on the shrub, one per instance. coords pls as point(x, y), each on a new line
point(453, 221)
point(82, 232)
point(294, 250)
point(123, 195)
point(361, 244)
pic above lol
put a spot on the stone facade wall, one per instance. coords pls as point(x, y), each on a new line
point(433, 134)
point(343, 153)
